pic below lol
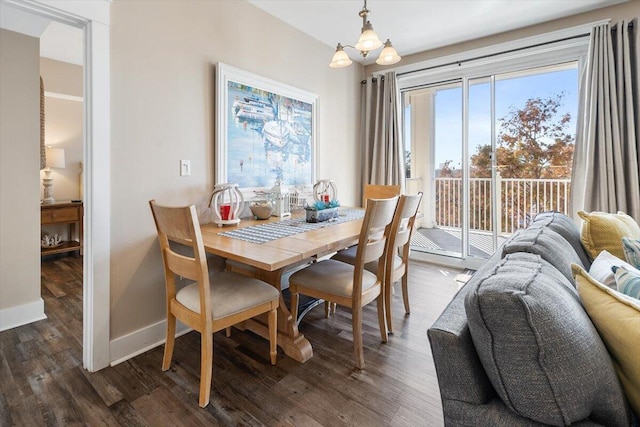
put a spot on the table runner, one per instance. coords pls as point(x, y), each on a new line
point(263, 233)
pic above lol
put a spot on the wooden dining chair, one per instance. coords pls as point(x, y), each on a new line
point(397, 255)
point(351, 285)
point(213, 301)
point(375, 191)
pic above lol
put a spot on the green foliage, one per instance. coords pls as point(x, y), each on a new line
point(534, 142)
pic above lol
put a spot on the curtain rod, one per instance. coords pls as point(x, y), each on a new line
point(578, 36)
point(491, 55)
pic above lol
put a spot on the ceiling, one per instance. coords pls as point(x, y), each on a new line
point(419, 25)
point(412, 25)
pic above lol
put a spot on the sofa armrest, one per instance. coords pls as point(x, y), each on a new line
point(460, 375)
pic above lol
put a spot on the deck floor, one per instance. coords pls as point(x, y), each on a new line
point(448, 239)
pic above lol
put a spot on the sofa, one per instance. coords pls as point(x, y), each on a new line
point(515, 346)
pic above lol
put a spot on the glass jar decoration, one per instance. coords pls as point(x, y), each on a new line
point(325, 191)
point(280, 199)
point(227, 203)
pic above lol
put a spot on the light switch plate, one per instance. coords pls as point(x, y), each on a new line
point(185, 167)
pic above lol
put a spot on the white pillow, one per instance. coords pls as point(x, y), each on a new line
point(601, 268)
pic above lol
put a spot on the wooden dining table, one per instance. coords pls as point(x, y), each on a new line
point(268, 261)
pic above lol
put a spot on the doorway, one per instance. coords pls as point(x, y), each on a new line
point(93, 19)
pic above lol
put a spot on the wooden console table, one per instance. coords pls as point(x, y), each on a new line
point(63, 213)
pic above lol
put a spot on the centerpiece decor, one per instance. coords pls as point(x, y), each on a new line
point(227, 202)
point(322, 211)
point(325, 190)
point(280, 199)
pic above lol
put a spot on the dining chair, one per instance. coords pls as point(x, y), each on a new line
point(213, 300)
point(351, 285)
point(375, 191)
point(396, 261)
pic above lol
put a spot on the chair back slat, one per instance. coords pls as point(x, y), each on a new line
point(375, 231)
point(404, 220)
point(180, 224)
point(375, 191)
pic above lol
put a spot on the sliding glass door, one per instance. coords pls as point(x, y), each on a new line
point(489, 153)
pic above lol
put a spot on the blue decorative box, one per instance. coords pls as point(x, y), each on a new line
point(314, 215)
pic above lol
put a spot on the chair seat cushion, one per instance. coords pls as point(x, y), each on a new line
point(231, 293)
point(332, 277)
point(349, 256)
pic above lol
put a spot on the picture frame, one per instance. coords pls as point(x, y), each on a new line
point(265, 131)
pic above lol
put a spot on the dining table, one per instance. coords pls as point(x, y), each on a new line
point(268, 249)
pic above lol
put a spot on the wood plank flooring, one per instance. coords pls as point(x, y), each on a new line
point(42, 381)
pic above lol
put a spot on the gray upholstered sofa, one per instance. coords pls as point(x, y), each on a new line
point(515, 346)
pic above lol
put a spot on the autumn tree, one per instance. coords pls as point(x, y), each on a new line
point(534, 142)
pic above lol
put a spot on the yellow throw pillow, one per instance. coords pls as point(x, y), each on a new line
point(617, 319)
point(604, 231)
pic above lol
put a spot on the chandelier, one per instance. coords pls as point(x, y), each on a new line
point(367, 42)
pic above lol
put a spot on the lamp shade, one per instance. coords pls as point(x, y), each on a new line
point(368, 39)
point(55, 158)
point(340, 58)
point(388, 55)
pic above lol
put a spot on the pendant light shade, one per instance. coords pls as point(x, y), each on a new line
point(368, 39)
point(388, 56)
point(340, 58)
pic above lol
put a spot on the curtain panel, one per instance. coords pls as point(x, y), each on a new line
point(381, 133)
point(605, 166)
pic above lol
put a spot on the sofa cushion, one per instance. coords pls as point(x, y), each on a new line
point(617, 318)
point(604, 231)
point(543, 241)
point(631, 249)
point(538, 347)
point(567, 228)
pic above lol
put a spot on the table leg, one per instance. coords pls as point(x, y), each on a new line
point(292, 342)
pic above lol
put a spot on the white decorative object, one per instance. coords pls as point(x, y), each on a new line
point(227, 203)
point(48, 241)
point(55, 159)
point(325, 191)
point(280, 199)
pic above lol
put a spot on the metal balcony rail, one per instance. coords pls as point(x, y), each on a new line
point(519, 200)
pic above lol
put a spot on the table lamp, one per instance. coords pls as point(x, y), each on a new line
point(55, 159)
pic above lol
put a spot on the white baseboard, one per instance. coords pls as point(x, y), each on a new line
point(140, 341)
point(24, 314)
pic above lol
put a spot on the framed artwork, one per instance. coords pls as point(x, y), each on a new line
point(265, 131)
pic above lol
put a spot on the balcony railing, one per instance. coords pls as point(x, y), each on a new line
point(519, 200)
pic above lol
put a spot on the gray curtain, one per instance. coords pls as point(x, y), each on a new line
point(605, 167)
point(381, 133)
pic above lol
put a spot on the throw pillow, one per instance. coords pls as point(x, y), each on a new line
point(602, 268)
point(617, 319)
point(538, 347)
point(627, 282)
point(604, 231)
point(631, 249)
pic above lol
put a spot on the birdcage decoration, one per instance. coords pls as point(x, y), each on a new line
point(280, 199)
point(227, 203)
point(325, 191)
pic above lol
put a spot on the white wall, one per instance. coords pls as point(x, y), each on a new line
point(20, 300)
point(163, 56)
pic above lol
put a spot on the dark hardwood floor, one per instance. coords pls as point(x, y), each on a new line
point(42, 381)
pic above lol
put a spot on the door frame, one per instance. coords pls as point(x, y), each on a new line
point(93, 19)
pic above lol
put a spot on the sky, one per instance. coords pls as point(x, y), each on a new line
point(509, 92)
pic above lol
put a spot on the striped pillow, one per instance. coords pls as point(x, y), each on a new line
point(631, 251)
point(627, 282)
